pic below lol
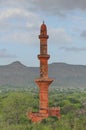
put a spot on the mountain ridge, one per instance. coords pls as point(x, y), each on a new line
point(53, 63)
point(65, 75)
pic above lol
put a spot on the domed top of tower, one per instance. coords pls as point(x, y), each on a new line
point(43, 26)
point(43, 29)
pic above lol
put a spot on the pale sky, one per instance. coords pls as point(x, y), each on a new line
point(20, 22)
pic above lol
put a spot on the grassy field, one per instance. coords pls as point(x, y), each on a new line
point(15, 104)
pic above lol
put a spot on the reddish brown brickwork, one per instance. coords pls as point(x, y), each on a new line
point(43, 82)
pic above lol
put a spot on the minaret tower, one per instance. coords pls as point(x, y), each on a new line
point(43, 81)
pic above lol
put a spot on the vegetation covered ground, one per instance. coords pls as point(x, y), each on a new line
point(14, 106)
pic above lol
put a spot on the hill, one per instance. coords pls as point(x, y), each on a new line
point(65, 75)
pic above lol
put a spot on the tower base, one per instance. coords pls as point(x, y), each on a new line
point(38, 117)
point(44, 110)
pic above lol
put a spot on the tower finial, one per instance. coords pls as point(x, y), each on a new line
point(43, 21)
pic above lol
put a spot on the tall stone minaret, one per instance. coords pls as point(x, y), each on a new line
point(43, 81)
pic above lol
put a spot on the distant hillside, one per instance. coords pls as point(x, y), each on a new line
point(65, 75)
point(68, 75)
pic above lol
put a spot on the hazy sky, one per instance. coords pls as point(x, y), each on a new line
point(20, 22)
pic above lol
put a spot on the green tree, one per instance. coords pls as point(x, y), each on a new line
point(15, 107)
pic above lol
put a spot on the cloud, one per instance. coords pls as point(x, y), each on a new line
point(5, 54)
point(64, 4)
point(19, 17)
point(73, 49)
point(18, 13)
point(59, 36)
point(16, 3)
point(56, 7)
point(17, 25)
point(83, 34)
point(23, 37)
point(56, 36)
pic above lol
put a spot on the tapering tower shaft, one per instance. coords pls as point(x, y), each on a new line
point(43, 82)
point(43, 57)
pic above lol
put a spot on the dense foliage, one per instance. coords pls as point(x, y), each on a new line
point(15, 104)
